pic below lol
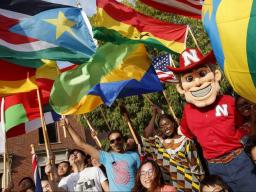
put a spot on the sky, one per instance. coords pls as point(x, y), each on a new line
point(89, 6)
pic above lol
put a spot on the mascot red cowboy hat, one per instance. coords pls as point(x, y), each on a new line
point(199, 80)
point(212, 120)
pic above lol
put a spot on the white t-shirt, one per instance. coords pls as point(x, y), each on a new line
point(89, 179)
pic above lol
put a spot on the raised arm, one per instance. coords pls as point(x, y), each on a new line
point(150, 129)
point(89, 149)
point(54, 181)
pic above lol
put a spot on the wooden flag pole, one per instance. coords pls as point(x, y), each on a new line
point(32, 149)
point(5, 152)
point(45, 134)
point(194, 39)
point(170, 107)
point(147, 98)
point(125, 115)
point(105, 119)
point(63, 127)
point(5, 184)
point(95, 137)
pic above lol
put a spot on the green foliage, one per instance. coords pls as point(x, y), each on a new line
point(138, 107)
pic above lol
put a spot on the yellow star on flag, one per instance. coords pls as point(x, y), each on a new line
point(62, 24)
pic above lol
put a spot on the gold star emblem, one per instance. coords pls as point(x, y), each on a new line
point(62, 24)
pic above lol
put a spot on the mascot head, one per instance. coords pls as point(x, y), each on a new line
point(199, 78)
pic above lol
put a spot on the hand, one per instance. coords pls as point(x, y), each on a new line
point(71, 159)
point(65, 122)
point(52, 158)
point(156, 110)
point(93, 133)
point(48, 169)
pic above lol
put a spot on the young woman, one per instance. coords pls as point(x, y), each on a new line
point(175, 154)
point(149, 179)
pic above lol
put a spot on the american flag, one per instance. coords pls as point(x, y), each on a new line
point(37, 179)
point(163, 73)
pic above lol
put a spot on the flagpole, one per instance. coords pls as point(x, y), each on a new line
point(172, 62)
point(45, 134)
point(105, 119)
point(95, 137)
point(194, 39)
point(170, 107)
point(5, 154)
point(125, 115)
point(5, 169)
point(63, 127)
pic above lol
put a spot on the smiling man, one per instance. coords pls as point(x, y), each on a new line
point(212, 120)
point(120, 165)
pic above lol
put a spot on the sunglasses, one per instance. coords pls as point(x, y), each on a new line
point(118, 139)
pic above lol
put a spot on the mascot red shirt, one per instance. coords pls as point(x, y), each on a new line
point(208, 117)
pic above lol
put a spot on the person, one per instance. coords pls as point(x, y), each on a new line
point(247, 110)
point(213, 120)
point(63, 169)
point(120, 165)
point(130, 144)
point(213, 183)
point(46, 185)
point(83, 178)
point(95, 163)
point(177, 149)
point(26, 184)
point(149, 178)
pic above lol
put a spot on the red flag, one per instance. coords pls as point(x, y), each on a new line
point(189, 8)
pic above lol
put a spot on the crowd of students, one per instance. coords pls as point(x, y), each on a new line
point(167, 162)
point(212, 148)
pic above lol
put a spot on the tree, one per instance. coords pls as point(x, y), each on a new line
point(139, 109)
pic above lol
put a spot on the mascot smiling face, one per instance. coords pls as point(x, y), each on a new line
point(199, 79)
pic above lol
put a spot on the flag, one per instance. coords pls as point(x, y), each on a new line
point(189, 8)
point(16, 79)
point(115, 22)
point(160, 64)
point(114, 71)
point(35, 171)
point(64, 27)
point(22, 115)
point(32, 125)
point(28, 51)
point(231, 28)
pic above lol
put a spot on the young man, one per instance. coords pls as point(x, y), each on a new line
point(120, 166)
point(213, 120)
point(63, 169)
point(83, 178)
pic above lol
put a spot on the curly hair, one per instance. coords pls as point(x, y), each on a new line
point(158, 180)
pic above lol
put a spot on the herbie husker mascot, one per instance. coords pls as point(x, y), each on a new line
point(212, 120)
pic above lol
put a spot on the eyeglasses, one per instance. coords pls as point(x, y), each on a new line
point(149, 173)
point(118, 139)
